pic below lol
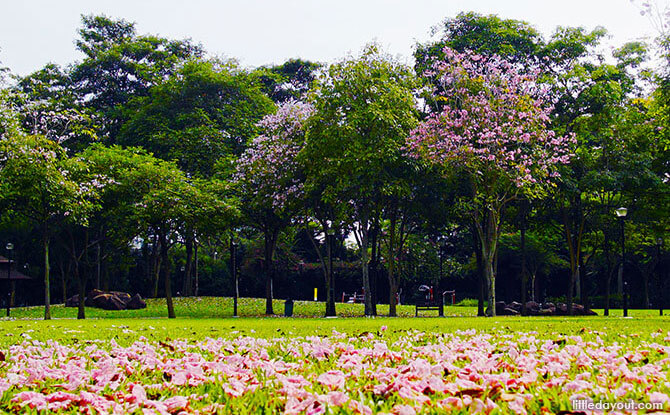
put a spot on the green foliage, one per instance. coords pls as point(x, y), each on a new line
point(202, 113)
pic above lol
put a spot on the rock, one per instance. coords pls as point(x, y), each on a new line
point(109, 301)
point(532, 308)
point(561, 309)
point(532, 305)
point(515, 306)
point(124, 297)
point(548, 305)
point(508, 311)
point(136, 302)
point(72, 301)
point(91, 295)
point(546, 312)
point(500, 308)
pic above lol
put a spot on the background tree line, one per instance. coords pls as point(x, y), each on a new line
point(493, 166)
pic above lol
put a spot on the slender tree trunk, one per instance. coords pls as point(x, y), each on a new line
point(188, 283)
point(98, 274)
point(80, 275)
point(12, 296)
point(365, 263)
point(104, 268)
point(608, 274)
point(574, 275)
point(524, 271)
point(158, 262)
point(165, 270)
point(372, 268)
point(393, 280)
point(63, 283)
point(480, 274)
point(47, 286)
point(196, 271)
point(533, 293)
point(330, 289)
point(645, 281)
point(81, 285)
point(322, 261)
point(270, 241)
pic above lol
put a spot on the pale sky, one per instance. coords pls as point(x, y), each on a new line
point(259, 32)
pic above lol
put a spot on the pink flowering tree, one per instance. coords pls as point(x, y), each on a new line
point(269, 178)
point(492, 131)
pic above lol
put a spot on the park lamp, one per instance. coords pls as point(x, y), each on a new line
point(621, 212)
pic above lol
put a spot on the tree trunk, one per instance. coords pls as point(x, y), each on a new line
point(270, 241)
point(365, 262)
point(393, 280)
point(98, 274)
point(583, 295)
point(12, 296)
point(196, 271)
point(480, 274)
point(533, 293)
point(330, 288)
point(571, 289)
point(63, 282)
point(608, 274)
point(47, 286)
point(81, 284)
point(188, 284)
point(524, 271)
point(158, 262)
point(488, 234)
point(645, 281)
point(165, 271)
point(372, 267)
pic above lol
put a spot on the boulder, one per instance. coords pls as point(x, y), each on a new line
point(125, 297)
point(500, 308)
point(136, 302)
point(515, 306)
point(508, 311)
point(91, 295)
point(72, 301)
point(561, 309)
point(532, 308)
point(546, 312)
point(109, 301)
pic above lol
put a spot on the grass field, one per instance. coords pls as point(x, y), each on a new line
point(201, 317)
point(206, 361)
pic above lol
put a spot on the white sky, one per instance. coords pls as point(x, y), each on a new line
point(258, 32)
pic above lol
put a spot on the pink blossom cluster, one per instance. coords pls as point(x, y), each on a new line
point(493, 121)
point(268, 169)
point(413, 372)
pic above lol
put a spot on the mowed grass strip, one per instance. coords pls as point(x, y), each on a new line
point(204, 317)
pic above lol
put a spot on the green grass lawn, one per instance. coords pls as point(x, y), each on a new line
point(202, 317)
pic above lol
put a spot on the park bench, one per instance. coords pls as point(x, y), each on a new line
point(353, 298)
point(429, 305)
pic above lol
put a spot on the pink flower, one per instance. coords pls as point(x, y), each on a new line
point(333, 379)
point(403, 410)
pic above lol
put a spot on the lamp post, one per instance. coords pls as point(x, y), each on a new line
point(10, 247)
point(661, 298)
point(621, 214)
point(233, 271)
